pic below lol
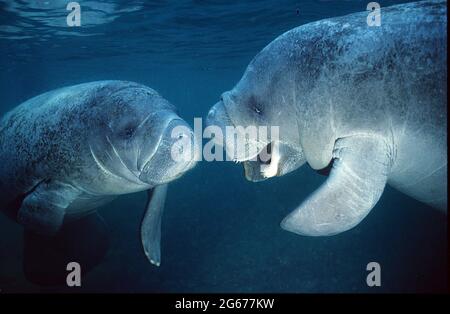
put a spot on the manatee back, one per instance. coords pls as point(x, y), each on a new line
point(395, 72)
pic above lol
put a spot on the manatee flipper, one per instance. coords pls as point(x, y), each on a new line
point(151, 224)
point(43, 210)
point(85, 241)
point(355, 184)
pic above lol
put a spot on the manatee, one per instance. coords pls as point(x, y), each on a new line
point(69, 151)
point(365, 105)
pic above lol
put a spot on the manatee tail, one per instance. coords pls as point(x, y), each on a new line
point(84, 241)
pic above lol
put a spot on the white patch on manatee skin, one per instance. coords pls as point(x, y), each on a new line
point(271, 170)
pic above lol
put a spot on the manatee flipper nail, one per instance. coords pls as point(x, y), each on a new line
point(151, 224)
point(355, 184)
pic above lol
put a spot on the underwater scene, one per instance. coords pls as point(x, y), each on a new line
point(111, 182)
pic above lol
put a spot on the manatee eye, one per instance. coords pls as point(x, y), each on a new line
point(180, 136)
point(255, 106)
point(128, 132)
point(257, 109)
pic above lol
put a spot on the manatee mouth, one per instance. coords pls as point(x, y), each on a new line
point(266, 164)
point(265, 160)
point(261, 159)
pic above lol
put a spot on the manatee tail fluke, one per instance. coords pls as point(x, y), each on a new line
point(83, 241)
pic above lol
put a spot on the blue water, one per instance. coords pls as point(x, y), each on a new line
point(220, 233)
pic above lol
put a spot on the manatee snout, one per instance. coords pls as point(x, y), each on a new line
point(218, 116)
point(177, 152)
point(263, 158)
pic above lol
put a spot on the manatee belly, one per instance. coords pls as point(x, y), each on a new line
point(421, 168)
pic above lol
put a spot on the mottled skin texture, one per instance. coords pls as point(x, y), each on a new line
point(68, 151)
point(371, 99)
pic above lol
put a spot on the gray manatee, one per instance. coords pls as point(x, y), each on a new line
point(68, 151)
point(367, 104)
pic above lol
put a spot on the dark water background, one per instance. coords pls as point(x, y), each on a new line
point(220, 232)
